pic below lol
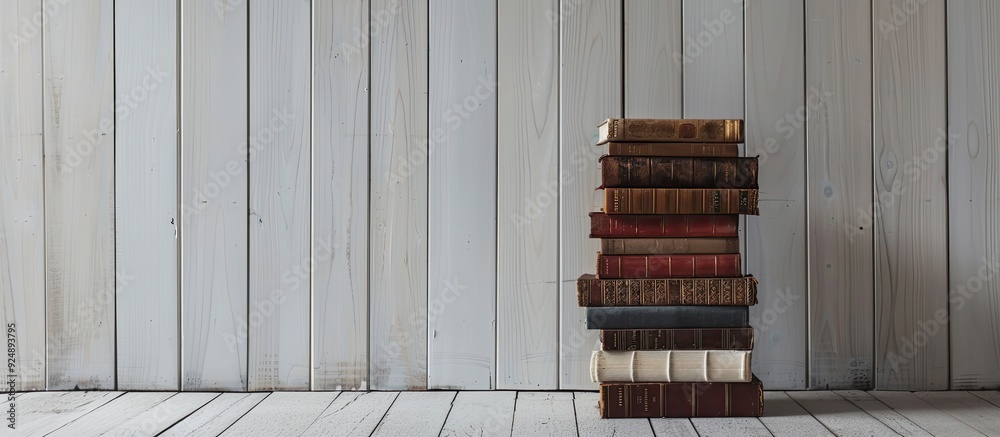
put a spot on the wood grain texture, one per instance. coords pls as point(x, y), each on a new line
point(973, 411)
point(542, 413)
point(282, 414)
point(22, 219)
point(838, 129)
point(713, 58)
point(416, 413)
point(776, 239)
point(911, 221)
point(889, 416)
point(353, 413)
point(40, 413)
point(527, 195)
point(79, 123)
point(398, 221)
point(654, 59)
point(163, 415)
point(838, 415)
point(462, 195)
point(925, 415)
point(590, 35)
point(280, 205)
point(590, 423)
point(481, 414)
point(784, 417)
point(113, 414)
point(973, 160)
point(214, 158)
point(340, 195)
point(146, 215)
point(217, 415)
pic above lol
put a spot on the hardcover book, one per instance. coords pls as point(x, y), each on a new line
point(670, 366)
point(593, 292)
point(668, 266)
point(616, 148)
point(668, 246)
point(677, 339)
point(608, 226)
point(668, 317)
point(682, 399)
point(667, 130)
point(680, 201)
point(652, 172)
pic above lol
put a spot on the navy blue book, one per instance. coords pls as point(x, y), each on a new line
point(668, 317)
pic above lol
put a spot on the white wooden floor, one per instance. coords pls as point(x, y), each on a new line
point(467, 413)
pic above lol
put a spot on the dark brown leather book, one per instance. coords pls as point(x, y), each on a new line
point(668, 266)
point(680, 201)
point(670, 130)
point(653, 172)
point(682, 399)
point(616, 148)
point(607, 226)
point(676, 339)
point(593, 292)
point(668, 246)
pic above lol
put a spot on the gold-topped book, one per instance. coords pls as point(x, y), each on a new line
point(670, 130)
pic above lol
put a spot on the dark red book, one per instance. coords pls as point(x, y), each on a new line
point(668, 266)
point(682, 399)
point(610, 226)
point(676, 339)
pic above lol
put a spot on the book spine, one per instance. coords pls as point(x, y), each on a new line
point(668, 266)
point(653, 292)
point(690, 130)
point(668, 317)
point(680, 201)
point(677, 339)
point(680, 399)
point(608, 226)
point(670, 366)
point(646, 172)
point(673, 149)
point(668, 246)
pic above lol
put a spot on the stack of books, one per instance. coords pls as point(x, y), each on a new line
point(670, 296)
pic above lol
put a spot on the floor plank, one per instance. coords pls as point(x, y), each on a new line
point(883, 413)
point(992, 397)
point(664, 427)
point(113, 414)
point(590, 423)
point(481, 414)
point(353, 413)
point(544, 413)
point(217, 415)
point(40, 413)
point(164, 415)
point(839, 415)
point(974, 411)
point(730, 426)
point(296, 410)
point(785, 417)
point(416, 414)
point(925, 415)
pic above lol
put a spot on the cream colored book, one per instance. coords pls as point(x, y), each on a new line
point(670, 366)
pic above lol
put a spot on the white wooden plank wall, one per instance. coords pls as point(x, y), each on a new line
point(147, 221)
point(78, 102)
point(654, 59)
point(590, 40)
point(280, 181)
point(22, 225)
point(340, 194)
point(973, 162)
point(214, 192)
point(462, 193)
point(528, 194)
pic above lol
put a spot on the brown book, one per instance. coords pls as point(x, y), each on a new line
point(608, 226)
point(670, 130)
point(593, 292)
point(617, 148)
point(652, 172)
point(680, 201)
point(668, 266)
point(668, 246)
point(676, 339)
point(682, 399)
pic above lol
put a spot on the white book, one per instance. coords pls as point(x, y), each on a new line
point(670, 366)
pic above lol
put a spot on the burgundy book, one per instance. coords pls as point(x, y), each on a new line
point(593, 292)
point(676, 339)
point(675, 172)
point(682, 399)
point(611, 226)
point(668, 266)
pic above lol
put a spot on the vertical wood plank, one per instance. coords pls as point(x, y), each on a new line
point(654, 59)
point(973, 160)
point(22, 225)
point(527, 193)
point(776, 239)
point(214, 157)
point(398, 222)
point(713, 58)
point(912, 240)
point(590, 38)
point(280, 198)
point(838, 129)
point(462, 195)
point(79, 195)
point(340, 195)
point(148, 348)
